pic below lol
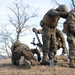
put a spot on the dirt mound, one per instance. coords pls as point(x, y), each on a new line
point(6, 68)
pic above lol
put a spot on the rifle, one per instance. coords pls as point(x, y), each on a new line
point(38, 44)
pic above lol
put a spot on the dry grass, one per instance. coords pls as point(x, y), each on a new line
point(6, 68)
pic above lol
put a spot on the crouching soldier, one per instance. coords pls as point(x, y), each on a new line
point(22, 55)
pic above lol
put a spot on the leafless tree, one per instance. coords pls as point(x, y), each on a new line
point(4, 41)
point(55, 2)
point(72, 2)
point(21, 14)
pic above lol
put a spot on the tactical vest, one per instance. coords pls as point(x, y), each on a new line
point(50, 21)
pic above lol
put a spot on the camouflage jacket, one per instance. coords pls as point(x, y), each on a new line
point(70, 21)
point(51, 18)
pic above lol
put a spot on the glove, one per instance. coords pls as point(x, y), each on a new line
point(64, 14)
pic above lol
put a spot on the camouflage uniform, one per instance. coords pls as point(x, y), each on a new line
point(60, 41)
point(70, 25)
point(49, 24)
point(18, 49)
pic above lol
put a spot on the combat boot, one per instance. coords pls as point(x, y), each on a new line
point(45, 61)
point(53, 56)
point(72, 63)
point(24, 62)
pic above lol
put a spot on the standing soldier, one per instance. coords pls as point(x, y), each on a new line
point(69, 30)
point(60, 41)
point(49, 24)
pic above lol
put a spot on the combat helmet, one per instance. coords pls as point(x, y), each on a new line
point(17, 43)
point(62, 8)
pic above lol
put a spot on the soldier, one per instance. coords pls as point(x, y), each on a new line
point(18, 49)
point(49, 24)
point(60, 41)
point(69, 30)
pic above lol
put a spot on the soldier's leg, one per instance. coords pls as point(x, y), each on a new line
point(24, 62)
point(46, 43)
point(37, 52)
point(71, 42)
point(45, 50)
point(30, 57)
point(53, 46)
point(53, 42)
point(72, 59)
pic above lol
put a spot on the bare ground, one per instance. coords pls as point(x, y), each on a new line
point(6, 68)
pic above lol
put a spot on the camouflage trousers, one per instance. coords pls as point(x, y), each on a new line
point(49, 40)
point(71, 43)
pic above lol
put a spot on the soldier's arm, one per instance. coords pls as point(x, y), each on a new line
point(60, 35)
point(64, 14)
point(39, 31)
point(54, 12)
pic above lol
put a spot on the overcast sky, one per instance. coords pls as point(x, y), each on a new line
point(43, 5)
